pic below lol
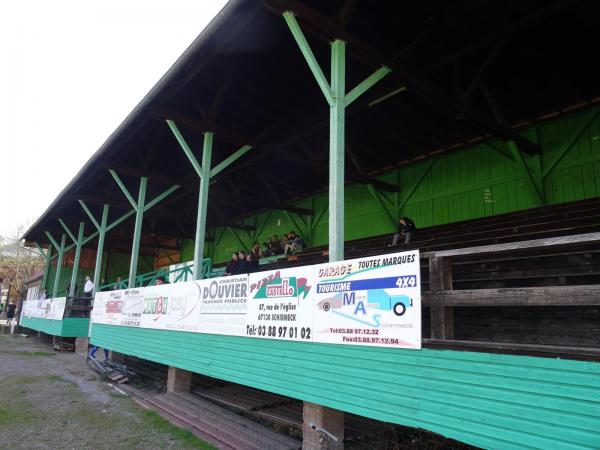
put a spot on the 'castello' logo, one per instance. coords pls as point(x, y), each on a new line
point(156, 306)
point(284, 287)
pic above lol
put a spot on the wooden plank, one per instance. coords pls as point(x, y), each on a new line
point(442, 317)
point(520, 245)
point(531, 296)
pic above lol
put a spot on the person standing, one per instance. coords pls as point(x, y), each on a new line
point(94, 349)
point(10, 312)
point(88, 287)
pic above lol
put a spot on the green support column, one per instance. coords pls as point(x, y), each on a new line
point(61, 251)
point(335, 94)
point(205, 173)
point(100, 249)
point(138, 208)
point(202, 206)
point(336, 151)
point(137, 232)
point(47, 259)
point(101, 231)
point(78, 243)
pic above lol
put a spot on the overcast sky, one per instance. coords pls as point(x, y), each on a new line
point(70, 71)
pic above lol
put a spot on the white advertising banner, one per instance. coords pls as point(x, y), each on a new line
point(49, 308)
point(223, 305)
point(372, 301)
point(280, 304)
point(108, 307)
point(369, 301)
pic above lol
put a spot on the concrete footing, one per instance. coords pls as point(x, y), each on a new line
point(178, 380)
point(320, 423)
point(81, 345)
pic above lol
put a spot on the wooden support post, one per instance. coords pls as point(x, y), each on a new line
point(440, 279)
point(81, 345)
point(178, 380)
point(320, 424)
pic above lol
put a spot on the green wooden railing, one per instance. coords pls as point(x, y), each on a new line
point(181, 274)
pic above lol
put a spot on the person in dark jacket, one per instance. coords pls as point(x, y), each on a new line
point(406, 231)
point(231, 268)
point(10, 312)
point(242, 265)
point(275, 246)
point(251, 263)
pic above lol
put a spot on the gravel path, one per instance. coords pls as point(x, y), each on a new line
point(50, 400)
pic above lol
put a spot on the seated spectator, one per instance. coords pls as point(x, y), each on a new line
point(275, 247)
point(251, 263)
point(266, 248)
point(118, 284)
point(255, 251)
point(406, 231)
point(231, 268)
point(159, 281)
point(242, 264)
point(295, 243)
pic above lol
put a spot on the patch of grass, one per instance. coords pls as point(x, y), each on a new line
point(60, 379)
point(25, 353)
point(22, 379)
point(185, 437)
point(12, 413)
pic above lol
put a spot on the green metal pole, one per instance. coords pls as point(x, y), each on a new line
point(137, 232)
point(336, 151)
point(78, 242)
point(61, 252)
point(100, 249)
point(202, 206)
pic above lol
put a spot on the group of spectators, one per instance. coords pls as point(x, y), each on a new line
point(289, 244)
point(248, 262)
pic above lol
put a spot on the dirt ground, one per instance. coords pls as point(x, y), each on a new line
point(50, 400)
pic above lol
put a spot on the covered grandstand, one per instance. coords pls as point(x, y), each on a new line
point(478, 120)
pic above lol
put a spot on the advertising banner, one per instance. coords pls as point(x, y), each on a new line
point(372, 301)
point(48, 308)
point(280, 304)
point(369, 301)
point(224, 301)
point(132, 307)
point(108, 307)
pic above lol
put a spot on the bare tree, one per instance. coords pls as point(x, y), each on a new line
point(17, 262)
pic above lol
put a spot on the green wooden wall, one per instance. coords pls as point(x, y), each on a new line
point(483, 180)
point(69, 327)
point(488, 400)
